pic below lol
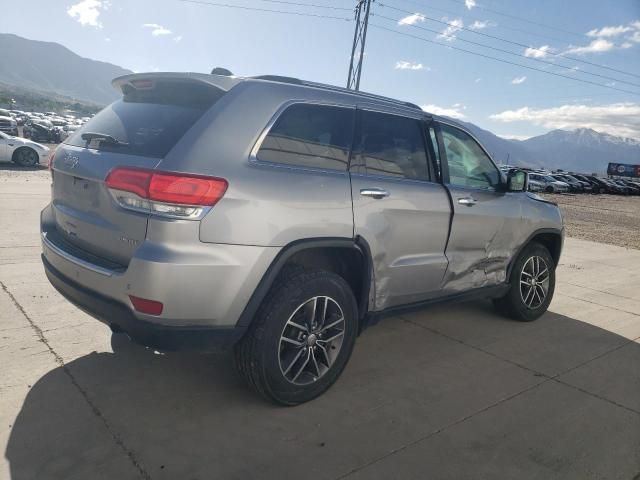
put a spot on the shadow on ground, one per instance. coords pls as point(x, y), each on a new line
point(452, 392)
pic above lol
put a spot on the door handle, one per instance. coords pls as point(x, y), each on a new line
point(468, 201)
point(376, 193)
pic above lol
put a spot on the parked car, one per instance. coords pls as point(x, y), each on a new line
point(535, 186)
point(8, 124)
point(629, 188)
point(586, 186)
point(42, 131)
point(574, 185)
point(551, 185)
point(615, 188)
point(596, 187)
point(250, 212)
point(22, 151)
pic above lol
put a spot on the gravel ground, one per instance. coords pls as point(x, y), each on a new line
point(613, 219)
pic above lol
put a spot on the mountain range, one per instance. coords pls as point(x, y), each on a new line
point(50, 67)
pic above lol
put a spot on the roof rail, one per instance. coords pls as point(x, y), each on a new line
point(334, 88)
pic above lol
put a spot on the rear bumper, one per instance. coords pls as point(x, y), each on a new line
point(120, 318)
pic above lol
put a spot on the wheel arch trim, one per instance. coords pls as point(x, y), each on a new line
point(287, 252)
point(534, 234)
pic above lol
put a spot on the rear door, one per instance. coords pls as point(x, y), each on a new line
point(4, 140)
point(398, 207)
point(485, 218)
point(145, 124)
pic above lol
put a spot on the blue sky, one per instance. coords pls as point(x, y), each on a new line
point(171, 35)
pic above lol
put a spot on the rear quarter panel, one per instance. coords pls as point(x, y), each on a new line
point(265, 204)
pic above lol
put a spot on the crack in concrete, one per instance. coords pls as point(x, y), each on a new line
point(546, 377)
point(94, 408)
point(599, 304)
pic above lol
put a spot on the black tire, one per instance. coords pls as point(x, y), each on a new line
point(513, 303)
point(25, 157)
point(260, 352)
point(549, 189)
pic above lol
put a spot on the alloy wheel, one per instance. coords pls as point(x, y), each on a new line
point(311, 340)
point(534, 282)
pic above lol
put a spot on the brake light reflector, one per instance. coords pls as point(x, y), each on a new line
point(143, 305)
point(164, 193)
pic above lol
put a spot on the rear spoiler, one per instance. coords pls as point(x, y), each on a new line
point(138, 80)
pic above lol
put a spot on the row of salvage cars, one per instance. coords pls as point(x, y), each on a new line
point(48, 127)
point(564, 182)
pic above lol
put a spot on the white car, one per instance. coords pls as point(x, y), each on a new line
point(22, 151)
point(551, 185)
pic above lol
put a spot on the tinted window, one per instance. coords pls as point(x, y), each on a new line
point(468, 165)
point(149, 122)
point(393, 146)
point(315, 136)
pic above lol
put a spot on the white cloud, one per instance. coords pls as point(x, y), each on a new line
point(87, 12)
point(411, 19)
point(404, 65)
point(626, 45)
point(157, 30)
point(477, 80)
point(470, 4)
point(622, 119)
point(538, 52)
point(453, 112)
point(479, 25)
point(609, 31)
point(596, 46)
point(177, 38)
point(519, 80)
point(635, 37)
point(448, 33)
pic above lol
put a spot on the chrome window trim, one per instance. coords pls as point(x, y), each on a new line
point(253, 155)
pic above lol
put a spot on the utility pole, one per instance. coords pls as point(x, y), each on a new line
point(359, 38)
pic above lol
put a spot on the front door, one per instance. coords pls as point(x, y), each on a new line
point(482, 229)
point(398, 207)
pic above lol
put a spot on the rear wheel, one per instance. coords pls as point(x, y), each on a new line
point(549, 189)
point(301, 339)
point(532, 284)
point(25, 157)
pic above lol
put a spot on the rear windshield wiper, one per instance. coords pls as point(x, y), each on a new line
point(102, 138)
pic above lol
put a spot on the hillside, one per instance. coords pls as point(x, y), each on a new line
point(50, 67)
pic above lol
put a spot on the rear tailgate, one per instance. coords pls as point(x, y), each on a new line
point(135, 131)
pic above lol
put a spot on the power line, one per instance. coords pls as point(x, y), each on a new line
point(502, 60)
point(506, 27)
point(453, 36)
point(267, 10)
point(494, 37)
point(515, 17)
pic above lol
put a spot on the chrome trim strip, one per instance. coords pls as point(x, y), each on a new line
point(75, 260)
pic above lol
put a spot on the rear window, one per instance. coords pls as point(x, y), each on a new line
point(149, 122)
point(307, 135)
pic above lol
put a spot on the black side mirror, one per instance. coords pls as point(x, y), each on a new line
point(517, 180)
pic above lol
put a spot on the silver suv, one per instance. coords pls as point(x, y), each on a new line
point(281, 217)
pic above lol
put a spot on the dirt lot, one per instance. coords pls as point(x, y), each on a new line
point(613, 219)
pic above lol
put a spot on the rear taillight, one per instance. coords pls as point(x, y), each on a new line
point(50, 159)
point(165, 193)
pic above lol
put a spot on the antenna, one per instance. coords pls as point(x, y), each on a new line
point(359, 39)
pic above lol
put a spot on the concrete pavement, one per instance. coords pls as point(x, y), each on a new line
point(452, 392)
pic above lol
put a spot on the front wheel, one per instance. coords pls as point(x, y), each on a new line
point(25, 157)
point(301, 338)
point(532, 283)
